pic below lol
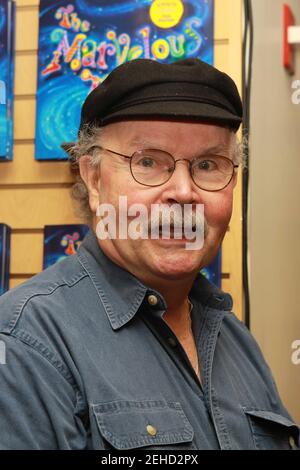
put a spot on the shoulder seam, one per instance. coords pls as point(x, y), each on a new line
point(22, 304)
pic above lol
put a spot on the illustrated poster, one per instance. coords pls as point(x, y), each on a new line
point(7, 33)
point(81, 42)
point(61, 241)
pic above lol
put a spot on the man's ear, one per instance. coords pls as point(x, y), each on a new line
point(91, 176)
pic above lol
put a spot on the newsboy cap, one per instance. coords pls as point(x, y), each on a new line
point(188, 89)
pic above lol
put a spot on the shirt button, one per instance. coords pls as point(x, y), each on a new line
point(151, 430)
point(152, 299)
point(172, 342)
point(292, 442)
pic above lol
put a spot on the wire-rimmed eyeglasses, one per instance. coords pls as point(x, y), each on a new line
point(153, 167)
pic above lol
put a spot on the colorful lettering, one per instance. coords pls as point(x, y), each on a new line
point(160, 49)
point(69, 20)
point(86, 75)
point(135, 52)
point(145, 33)
point(64, 14)
point(89, 49)
point(103, 49)
point(176, 45)
point(74, 47)
point(193, 48)
point(54, 64)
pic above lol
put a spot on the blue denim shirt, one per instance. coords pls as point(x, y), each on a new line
point(91, 364)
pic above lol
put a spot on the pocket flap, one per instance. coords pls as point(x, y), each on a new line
point(273, 417)
point(131, 424)
point(267, 424)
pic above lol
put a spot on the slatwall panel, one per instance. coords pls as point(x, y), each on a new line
point(33, 194)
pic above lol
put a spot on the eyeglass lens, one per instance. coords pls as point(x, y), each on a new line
point(155, 167)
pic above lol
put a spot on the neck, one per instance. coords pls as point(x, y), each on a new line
point(174, 292)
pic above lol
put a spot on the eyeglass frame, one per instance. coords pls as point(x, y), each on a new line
point(190, 162)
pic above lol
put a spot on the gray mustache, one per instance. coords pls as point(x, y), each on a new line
point(165, 220)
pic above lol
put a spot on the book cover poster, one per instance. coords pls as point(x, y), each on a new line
point(4, 257)
point(82, 41)
point(61, 241)
point(213, 272)
point(7, 32)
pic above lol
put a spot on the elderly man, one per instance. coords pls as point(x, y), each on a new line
point(125, 345)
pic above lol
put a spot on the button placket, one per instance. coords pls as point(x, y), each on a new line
point(172, 342)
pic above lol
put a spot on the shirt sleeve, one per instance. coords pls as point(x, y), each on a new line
point(38, 405)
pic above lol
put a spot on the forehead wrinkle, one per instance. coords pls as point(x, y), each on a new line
point(213, 149)
point(131, 138)
point(143, 144)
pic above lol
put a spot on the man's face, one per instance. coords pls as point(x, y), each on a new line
point(167, 259)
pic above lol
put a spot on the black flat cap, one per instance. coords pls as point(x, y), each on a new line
point(188, 89)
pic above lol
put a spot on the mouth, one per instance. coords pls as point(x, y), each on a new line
point(173, 232)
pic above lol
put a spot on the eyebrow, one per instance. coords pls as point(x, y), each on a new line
point(218, 149)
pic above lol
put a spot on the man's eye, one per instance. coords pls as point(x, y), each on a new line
point(207, 165)
point(147, 162)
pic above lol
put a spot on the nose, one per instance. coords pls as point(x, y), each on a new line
point(180, 187)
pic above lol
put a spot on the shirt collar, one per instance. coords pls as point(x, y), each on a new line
point(122, 294)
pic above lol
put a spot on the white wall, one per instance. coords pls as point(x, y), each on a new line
point(274, 225)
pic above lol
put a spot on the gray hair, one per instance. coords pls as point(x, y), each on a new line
point(87, 138)
point(92, 134)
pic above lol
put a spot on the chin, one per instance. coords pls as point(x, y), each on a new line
point(175, 266)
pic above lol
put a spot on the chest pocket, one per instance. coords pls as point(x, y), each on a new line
point(155, 424)
point(272, 431)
